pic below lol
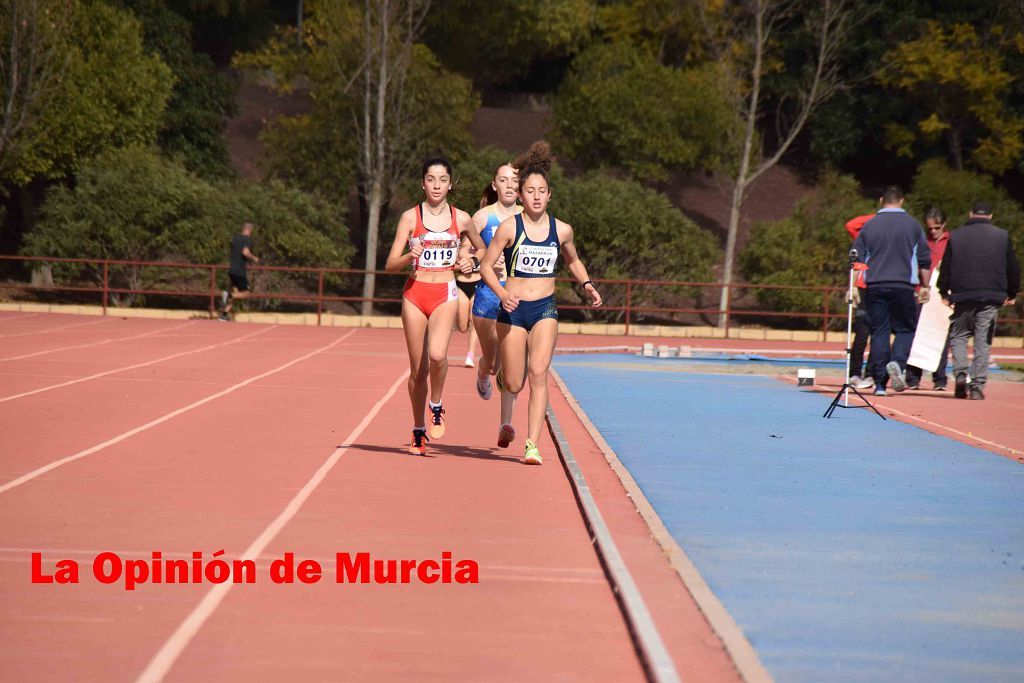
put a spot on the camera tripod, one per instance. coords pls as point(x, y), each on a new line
point(843, 394)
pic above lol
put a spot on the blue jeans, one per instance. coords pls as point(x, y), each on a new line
point(891, 311)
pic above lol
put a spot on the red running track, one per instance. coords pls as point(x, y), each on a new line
point(137, 435)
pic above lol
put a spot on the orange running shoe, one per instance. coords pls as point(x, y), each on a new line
point(506, 435)
point(436, 422)
point(418, 446)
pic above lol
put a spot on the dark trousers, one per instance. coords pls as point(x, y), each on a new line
point(939, 379)
point(891, 311)
point(861, 333)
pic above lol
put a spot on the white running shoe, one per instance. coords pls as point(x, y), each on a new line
point(862, 382)
point(470, 361)
point(896, 378)
point(484, 388)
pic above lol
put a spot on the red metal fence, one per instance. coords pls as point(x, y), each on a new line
point(833, 305)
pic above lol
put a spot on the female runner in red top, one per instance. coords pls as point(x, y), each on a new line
point(431, 231)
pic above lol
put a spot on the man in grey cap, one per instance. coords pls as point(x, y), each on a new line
point(980, 273)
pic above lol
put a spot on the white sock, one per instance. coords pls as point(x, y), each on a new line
point(422, 429)
point(433, 405)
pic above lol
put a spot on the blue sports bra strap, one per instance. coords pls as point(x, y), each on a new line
point(553, 231)
point(519, 225)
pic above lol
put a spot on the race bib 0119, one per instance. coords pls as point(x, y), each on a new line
point(438, 253)
point(536, 260)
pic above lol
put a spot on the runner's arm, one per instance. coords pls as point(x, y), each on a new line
point(575, 265)
point(398, 258)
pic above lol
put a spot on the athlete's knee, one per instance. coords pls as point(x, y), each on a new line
point(438, 360)
point(512, 384)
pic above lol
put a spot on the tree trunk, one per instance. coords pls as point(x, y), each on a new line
point(730, 251)
point(298, 25)
point(376, 156)
point(372, 230)
point(956, 148)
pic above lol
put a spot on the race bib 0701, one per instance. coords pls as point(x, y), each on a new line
point(536, 260)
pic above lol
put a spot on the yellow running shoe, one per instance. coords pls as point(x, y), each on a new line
point(436, 427)
point(532, 456)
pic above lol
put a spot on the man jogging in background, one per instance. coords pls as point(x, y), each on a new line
point(241, 254)
point(893, 246)
point(980, 273)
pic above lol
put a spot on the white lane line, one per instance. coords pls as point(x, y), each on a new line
point(133, 367)
point(18, 316)
point(99, 343)
point(152, 423)
point(966, 435)
point(54, 329)
point(169, 652)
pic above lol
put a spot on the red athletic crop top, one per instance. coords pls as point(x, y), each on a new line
point(440, 249)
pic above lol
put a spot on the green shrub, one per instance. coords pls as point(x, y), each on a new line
point(810, 248)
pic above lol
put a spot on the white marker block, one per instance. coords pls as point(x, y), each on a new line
point(805, 377)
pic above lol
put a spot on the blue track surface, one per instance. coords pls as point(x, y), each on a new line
point(848, 549)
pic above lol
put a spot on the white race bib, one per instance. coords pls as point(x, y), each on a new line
point(535, 260)
point(439, 251)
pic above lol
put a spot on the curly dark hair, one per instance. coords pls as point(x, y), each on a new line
point(537, 160)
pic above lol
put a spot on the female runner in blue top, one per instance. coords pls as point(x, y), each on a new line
point(502, 193)
point(527, 323)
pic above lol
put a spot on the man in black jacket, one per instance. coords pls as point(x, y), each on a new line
point(980, 273)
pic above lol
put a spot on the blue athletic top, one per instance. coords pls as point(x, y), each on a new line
point(527, 258)
point(492, 224)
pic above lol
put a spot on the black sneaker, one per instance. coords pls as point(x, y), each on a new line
point(960, 388)
point(939, 387)
point(977, 394)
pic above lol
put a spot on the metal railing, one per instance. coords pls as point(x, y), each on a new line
point(833, 305)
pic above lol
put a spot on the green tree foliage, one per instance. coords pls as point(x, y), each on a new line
point(663, 29)
point(195, 121)
point(496, 42)
point(112, 94)
point(620, 107)
point(133, 204)
point(958, 80)
point(659, 242)
point(319, 151)
point(808, 249)
point(936, 184)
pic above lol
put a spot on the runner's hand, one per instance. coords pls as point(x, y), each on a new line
point(855, 297)
point(1010, 302)
point(510, 302)
point(466, 264)
point(595, 295)
point(923, 295)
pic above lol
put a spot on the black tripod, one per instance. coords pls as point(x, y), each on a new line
point(844, 391)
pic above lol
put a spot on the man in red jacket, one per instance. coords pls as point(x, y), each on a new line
point(861, 326)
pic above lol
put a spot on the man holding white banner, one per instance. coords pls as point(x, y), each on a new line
point(931, 338)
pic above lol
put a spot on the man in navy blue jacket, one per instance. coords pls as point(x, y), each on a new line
point(980, 273)
point(893, 246)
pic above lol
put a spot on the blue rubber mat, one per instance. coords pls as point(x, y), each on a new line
point(848, 549)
